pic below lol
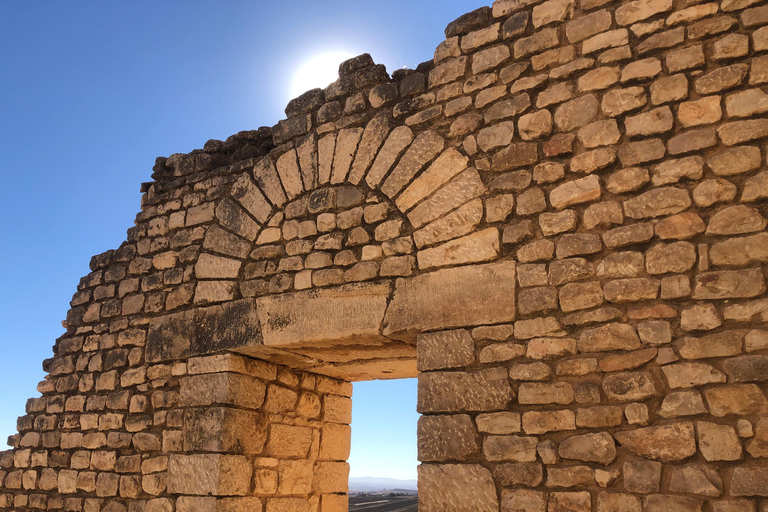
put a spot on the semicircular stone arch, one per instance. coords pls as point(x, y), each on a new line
point(558, 224)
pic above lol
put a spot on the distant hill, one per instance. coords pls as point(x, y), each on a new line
point(370, 483)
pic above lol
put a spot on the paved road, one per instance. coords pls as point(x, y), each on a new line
point(383, 504)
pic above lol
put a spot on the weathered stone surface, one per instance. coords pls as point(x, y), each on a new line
point(283, 323)
point(630, 290)
point(543, 348)
point(682, 403)
point(659, 120)
point(668, 443)
point(735, 160)
point(541, 422)
point(576, 113)
point(621, 264)
point(570, 501)
point(758, 446)
point(541, 40)
point(457, 223)
point(428, 302)
point(543, 393)
point(599, 417)
point(578, 244)
point(662, 502)
point(657, 202)
point(485, 390)
point(523, 500)
point(209, 474)
point(627, 361)
point(610, 39)
point(738, 132)
point(570, 476)
point(687, 375)
point(576, 192)
point(538, 299)
point(739, 399)
point(445, 349)
point(736, 220)
point(746, 368)
point(749, 482)
point(718, 442)
point(699, 480)
point(726, 343)
point(709, 192)
point(755, 188)
point(499, 423)
point(618, 502)
point(728, 284)
point(598, 448)
point(512, 474)
point(476, 247)
point(576, 296)
point(648, 150)
point(443, 169)
point(642, 476)
point(460, 487)
point(619, 101)
point(613, 336)
point(677, 257)
point(640, 10)
point(443, 438)
point(510, 448)
point(701, 317)
point(630, 386)
point(514, 156)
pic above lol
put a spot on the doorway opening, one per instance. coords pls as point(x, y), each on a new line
point(383, 458)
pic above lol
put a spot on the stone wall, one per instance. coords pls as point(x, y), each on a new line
point(558, 224)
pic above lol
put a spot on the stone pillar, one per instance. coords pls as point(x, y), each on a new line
point(260, 436)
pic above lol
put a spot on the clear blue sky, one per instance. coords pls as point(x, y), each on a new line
point(91, 92)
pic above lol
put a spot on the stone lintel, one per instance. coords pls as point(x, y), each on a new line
point(203, 331)
point(455, 297)
point(351, 313)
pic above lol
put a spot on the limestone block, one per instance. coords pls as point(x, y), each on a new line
point(523, 500)
point(576, 192)
point(476, 247)
point(749, 482)
point(610, 337)
point(443, 438)
point(729, 284)
point(424, 149)
point(598, 448)
point(457, 223)
point(445, 349)
point(482, 391)
point(630, 386)
point(458, 487)
point(219, 475)
point(397, 141)
point(739, 399)
point(460, 190)
point(687, 375)
point(662, 502)
point(718, 442)
point(510, 448)
point(682, 403)
point(428, 302)
point(668, 443)
point(357, 314)
point(541, 422)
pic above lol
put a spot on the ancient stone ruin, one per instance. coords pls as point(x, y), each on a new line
point(558, 224)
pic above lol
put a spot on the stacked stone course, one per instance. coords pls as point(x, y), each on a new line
point(558, 224)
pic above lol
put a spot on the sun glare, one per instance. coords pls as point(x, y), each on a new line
point(318, 71)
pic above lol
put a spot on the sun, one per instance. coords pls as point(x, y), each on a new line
point(318, 71)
